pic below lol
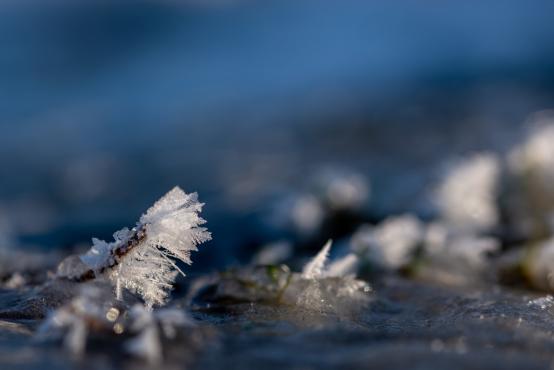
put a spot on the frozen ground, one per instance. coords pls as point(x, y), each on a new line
point(409, 324)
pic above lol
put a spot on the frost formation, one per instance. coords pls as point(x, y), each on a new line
point(467, 196)
point(167, 232)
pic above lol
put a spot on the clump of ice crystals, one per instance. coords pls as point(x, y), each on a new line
point(539, 265)
point(170, 229)
point(90, 310)
point(322, 289)
point(151, 327)
point(455, 257)
point(531, 169)
point(390, 245)
point(341, 189)
point(543, 302)
point(93, 314)
point(467, 196)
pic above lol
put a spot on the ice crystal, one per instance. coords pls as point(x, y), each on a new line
point(314, 268)
point(342, 189)
point(460, 247)
point(455, 257)
point(273, 253)
point(92, 313)
point(531, 166)
point(539, 265)
point(347, 265)
point(468, 194)
point(543, 302)
point(391, 244)
point(74, 320)
point(321, 289)
point(147, 324)
point(142, 260)
point(306, 214)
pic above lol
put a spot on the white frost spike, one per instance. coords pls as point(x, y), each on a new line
point(168, 231)
point(314, 268)
point(347, 265)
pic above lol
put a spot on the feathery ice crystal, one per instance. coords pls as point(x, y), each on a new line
point(142, 260)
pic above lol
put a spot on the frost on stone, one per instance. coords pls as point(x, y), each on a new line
point(392, 244)
point(467, 197)
point(531, 170)
point(151, 328)
point(143, 259)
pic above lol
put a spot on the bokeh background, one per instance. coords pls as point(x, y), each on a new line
point(106, 105)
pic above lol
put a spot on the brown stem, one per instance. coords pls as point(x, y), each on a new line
point(137, 236)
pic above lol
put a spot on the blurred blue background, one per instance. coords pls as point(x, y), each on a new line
point(106, 105)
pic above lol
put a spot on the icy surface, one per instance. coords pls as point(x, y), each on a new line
point(408, 325)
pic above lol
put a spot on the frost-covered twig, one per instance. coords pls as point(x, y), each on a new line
point(142, 259)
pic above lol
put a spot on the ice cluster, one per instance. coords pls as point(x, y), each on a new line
point(92, 314)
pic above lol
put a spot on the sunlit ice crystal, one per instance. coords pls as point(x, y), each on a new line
point(324, 288)
point(456, 257)
point(150, 327)
point(391, 244)
point(539, 265)
point(531, 169)
point(342, 189)
point(143, 259)
point(468, 194)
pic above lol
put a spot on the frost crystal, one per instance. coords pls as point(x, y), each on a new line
point(540, 265)
point(543, 303)
point(142, 259)
point(314, 268)
point(467, 196)
point(73, 321)
point(322, 289)
point(454, 257)
point(342, 189)
point(531, 166)
point(390, 245)
point(273, 253)
point(147, 324)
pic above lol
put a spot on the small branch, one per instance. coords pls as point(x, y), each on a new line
point(137, 236)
